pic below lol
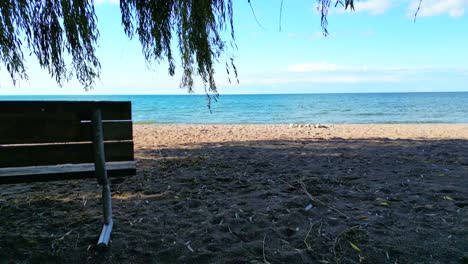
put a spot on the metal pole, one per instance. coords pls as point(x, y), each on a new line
point(101, 173)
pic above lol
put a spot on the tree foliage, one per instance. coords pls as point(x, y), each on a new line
point(56, 31)
point(198, 25)
point(50, 29)
point(324, 6)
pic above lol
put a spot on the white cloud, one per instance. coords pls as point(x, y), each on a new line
point(373, 7)
point(454, 8)
point(316, 35)
point(324, 72)
point(326, 67)
point(313, 36)
point(414, 68)
point(325, 79)
point(330, 67)
point(313, 67)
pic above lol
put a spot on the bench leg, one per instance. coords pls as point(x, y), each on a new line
point(108, 224)
point(101, 173)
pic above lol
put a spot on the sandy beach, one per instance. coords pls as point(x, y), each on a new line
point(259, 194)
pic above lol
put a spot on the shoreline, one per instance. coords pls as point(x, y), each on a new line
point(383, 123)
point(180, 134)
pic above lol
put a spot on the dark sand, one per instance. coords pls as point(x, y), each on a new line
point(259, 194)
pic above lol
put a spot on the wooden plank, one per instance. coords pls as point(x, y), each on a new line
point(113, 130)
point(63, 172)
point(38, 127)
point(53, 154)
point(56, 127)
point(110, 110)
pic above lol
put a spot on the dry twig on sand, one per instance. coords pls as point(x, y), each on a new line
point(314, 199)
point(307, 236)
point(338, 237)
point(264, 257)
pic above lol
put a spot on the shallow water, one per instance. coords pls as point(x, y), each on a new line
point(290, 108)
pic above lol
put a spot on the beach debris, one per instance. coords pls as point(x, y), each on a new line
point(308, 207)
point(190, 248)
point(343, 233)
point(187, 244)
point(63, 237)
point(448, 198)
point(315, 199)
point(362, 217)
point(355, 247)
point(85, 201)
point(264, 257)
point(318, 125)
point(309, 247)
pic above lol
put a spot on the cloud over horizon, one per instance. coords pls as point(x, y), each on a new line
point(313, 67)
point(335, 79)
point(324, 66)
point(453, 8)
point(373, 7)
point(429, 8)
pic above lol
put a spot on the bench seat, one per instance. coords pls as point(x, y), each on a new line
point(63, 172)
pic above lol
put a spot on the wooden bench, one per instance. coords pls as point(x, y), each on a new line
point(64, 140)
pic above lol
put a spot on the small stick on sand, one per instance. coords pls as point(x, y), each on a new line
point(307, 236)
point(335, 241)
point(317, 200)
point(285, 182)
point(234, 235)
point(264, 257)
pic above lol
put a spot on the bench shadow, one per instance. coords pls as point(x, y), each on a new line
point(296, 201)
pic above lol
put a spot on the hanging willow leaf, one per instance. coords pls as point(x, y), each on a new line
point(63, 36)
point(323, 8)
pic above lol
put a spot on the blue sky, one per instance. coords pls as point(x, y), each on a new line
point(377, 48)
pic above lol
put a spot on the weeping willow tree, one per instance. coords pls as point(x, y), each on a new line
point(63, 36)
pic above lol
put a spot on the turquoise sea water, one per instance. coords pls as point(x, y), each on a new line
point(290, 108)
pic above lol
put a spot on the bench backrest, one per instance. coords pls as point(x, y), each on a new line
point(41, 133)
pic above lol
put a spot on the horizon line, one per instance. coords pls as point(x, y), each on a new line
point(198, 94)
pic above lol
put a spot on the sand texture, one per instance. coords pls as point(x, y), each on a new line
point(259, 194)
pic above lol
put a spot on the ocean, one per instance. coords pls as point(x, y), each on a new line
point(357, 108)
